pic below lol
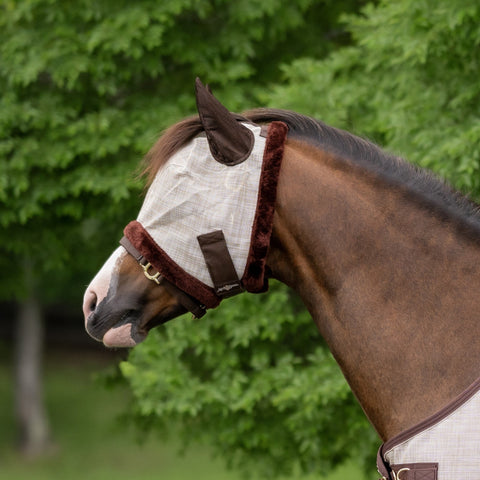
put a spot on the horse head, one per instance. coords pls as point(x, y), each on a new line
point(197, 239)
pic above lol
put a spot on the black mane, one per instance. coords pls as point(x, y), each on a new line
point(431, 190)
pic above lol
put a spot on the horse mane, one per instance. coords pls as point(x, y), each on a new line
point(427, 187)
point(171, 141)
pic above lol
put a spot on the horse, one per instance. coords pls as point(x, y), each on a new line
point(384, 255)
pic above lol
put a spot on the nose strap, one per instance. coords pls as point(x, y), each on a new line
point(188, 302)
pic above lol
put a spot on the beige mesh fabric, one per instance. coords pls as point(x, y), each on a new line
point(193, 194)
point(453, 442)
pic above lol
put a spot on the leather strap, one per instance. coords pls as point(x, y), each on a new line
point(406, 471)
point(127, 244)
point(382, 465)
point(415, 471)
point(220, 264)
point(192, 305)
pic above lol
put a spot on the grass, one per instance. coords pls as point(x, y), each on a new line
point(90, 442)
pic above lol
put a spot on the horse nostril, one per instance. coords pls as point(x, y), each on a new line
point(93, 304)
point(89, 303)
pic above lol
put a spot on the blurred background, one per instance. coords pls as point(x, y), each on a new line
point(86, 87)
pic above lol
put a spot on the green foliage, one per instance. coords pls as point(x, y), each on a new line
point(87, 86)
point(93, 443)
point(254, 379)
point(410, 82)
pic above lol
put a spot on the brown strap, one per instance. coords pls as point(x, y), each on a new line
point(219, 263)
point(127, 244)
point(198, 310)
point(382, 465)
point(186, 300)
point(415, 471)
point(405, 471)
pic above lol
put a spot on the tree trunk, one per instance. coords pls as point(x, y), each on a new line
point(31, 414)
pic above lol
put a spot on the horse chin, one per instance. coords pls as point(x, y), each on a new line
point(124, 336)
point(124, 332)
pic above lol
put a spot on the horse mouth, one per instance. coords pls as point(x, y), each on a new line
point(130, 329)
point(124, 333)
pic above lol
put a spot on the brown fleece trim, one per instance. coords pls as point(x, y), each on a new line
point(147, 246)
point(254, 276)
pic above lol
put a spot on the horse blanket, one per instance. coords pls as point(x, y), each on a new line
point(445, 446)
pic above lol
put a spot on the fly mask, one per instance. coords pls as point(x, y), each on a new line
point(206, 221)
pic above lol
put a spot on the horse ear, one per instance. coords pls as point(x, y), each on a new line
point(230, 142)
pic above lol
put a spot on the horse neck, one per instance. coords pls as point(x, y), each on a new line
point(391, 287)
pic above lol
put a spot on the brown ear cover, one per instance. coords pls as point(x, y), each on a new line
point(230, 142)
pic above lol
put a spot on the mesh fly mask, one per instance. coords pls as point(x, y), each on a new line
point(205, 226)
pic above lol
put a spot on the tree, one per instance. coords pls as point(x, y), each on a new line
point(410, 82)
point(258, 384)
point(86, 87)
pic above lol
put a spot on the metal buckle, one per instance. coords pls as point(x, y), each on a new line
point(156, 277)
point(397, 475)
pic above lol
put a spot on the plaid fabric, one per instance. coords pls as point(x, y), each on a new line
point(193, 194)
point(453, 442)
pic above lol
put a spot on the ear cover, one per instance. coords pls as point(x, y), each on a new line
point(230, 142)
